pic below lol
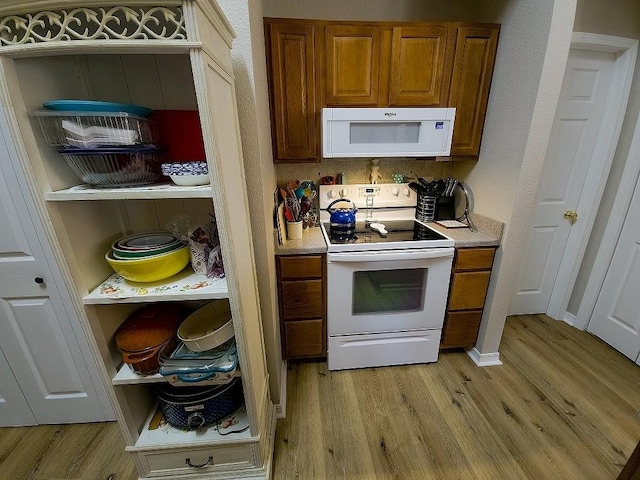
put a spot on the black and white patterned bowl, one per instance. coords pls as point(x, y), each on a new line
point(185, 168)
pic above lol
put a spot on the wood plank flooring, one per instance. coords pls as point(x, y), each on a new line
point(563, 406)
point(89, 451)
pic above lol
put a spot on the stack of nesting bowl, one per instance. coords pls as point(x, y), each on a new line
point(104, 144)
point(205, 361)
point(148, 257)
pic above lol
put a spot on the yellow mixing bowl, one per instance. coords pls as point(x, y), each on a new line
point(152, 268)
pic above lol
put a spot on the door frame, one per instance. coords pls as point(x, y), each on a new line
point(622, 77)
point(628, 184)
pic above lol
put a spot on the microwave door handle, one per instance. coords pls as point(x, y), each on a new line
point(390, 256)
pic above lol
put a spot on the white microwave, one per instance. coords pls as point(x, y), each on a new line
point(387, 132)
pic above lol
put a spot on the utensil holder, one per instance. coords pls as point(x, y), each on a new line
point(426, 208)
point(294, 230)
point(445, 208)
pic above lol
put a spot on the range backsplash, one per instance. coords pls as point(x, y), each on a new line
point(358, 170)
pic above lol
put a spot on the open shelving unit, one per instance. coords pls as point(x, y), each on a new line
point(184, 65)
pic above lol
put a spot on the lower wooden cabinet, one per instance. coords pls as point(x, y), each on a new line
point(302, 302)
point(467, 293)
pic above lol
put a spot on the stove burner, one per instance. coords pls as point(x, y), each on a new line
point(388, 234)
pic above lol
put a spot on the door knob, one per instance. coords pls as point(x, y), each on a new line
point(571, 215)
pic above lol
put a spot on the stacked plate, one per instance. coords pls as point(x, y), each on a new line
point(148, 257)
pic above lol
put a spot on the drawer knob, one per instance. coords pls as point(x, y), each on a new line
point(39, 280)
point(208, 462)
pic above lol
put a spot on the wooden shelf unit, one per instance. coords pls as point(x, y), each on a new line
point(178, 74)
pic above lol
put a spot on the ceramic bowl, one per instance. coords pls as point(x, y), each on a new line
point(190, 180)
point(207, 327)
point(152, 268)
point(187, 173)
point(185, 168)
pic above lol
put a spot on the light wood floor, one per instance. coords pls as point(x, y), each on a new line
point(563, 406)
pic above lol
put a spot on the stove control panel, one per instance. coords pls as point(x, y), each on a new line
point(384, 195)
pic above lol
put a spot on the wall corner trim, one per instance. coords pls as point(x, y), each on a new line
point(484, 359)
point(281, 408)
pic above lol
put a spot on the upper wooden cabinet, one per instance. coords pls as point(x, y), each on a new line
point(421, 62)
point(291, 66)
point(352, 65)
point(315, 64)
point(382, 65)
point(470, 83)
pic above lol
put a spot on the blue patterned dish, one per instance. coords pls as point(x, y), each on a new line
point(95, 106)
point(185, 168)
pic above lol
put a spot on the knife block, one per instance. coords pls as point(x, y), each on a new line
point(445, 208)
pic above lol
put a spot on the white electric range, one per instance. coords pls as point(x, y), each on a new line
point(387, 278)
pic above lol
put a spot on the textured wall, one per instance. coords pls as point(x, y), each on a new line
point(597, 16)
point(519, 119)
point(249, 65)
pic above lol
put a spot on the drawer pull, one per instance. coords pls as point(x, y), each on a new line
point(188, 462)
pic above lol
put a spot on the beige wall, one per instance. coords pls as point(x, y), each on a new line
point(249, 66)
point(619, 18)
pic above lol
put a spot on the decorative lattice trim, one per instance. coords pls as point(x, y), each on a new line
point(110, 23)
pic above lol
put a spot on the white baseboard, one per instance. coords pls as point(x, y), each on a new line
point(281, 408)
point(484, 359)
point(569, 318)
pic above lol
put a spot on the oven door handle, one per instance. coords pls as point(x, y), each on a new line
point(385, 256)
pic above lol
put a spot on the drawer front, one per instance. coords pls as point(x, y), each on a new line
point(307, 266)
point(304, 338)
point(203, 461)
point(461, 329)
point(473, 259)
point(468, 290)
point(302, 299)
point(381, 349)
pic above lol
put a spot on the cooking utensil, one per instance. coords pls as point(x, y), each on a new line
point(145, 332)
point(416, 186)
point(207, 327)
point(197, 407)
point(342, 216)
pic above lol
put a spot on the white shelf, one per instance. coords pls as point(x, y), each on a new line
point(126, 376)
point(166, 435)
point(148, 192)
point(186, 285)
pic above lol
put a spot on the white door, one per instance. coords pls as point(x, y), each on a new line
point(583, 99)
point(37, 338)
point(616, 316)
point(14, 409)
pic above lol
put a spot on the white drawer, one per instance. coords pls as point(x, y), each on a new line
point(380, 349)
point(203, 461)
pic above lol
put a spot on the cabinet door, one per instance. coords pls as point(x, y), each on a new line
point(293, 108)
point(468, 290)
point(304, 338)
point(461, 329)
point(302, 299)
point(470, 83)
point(421, 62)
point(352, 65)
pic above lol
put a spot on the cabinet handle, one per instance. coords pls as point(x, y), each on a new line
point(39, 280)
point(188, 462)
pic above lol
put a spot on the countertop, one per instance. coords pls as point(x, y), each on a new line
point(488, 234)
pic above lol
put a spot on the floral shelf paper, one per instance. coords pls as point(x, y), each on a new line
point(186, 285)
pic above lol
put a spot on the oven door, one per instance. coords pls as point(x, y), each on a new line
point(387, 291)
